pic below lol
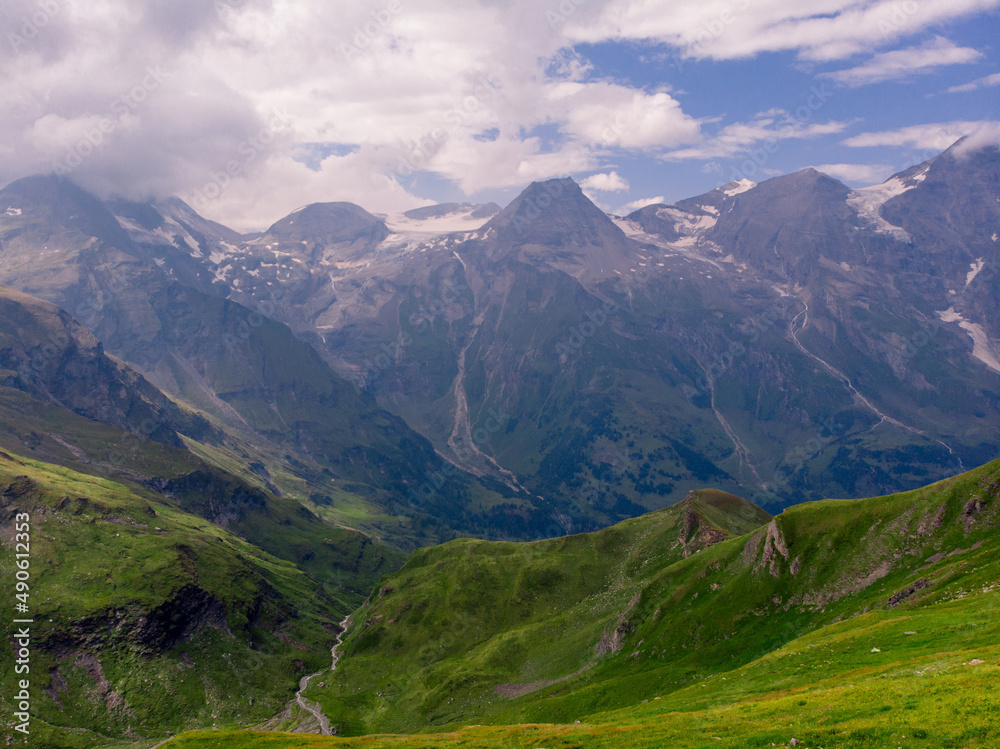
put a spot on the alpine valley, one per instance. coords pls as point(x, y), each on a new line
point(510, 477)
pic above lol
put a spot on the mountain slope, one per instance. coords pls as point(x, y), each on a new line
point(47, 354)
point(876, 680)
point(148, 619)
point(271, 392)
point(574, 642)
point(785, 340)
point(63, 401)
point(519, 616)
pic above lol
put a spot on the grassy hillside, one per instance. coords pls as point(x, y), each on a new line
point(827, 689)
point(475, 632)
point(460, 621)
point(345, 562)
point(862, 623)
point(149, 619)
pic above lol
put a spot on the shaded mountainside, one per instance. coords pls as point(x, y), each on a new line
point(346, 563)
point(149, 619)
point(48, 355)
point(63, 401)
point(786, 341)
point(595, 623)
point(271, 392)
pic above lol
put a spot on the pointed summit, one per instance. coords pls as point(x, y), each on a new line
point(553, 224)
point(552, 211)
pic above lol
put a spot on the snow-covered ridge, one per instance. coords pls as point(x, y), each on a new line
point(868, 201)
point(458, 221)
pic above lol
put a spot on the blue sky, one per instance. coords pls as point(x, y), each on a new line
point(249, 109)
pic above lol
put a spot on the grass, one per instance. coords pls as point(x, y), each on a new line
point(481, 633)
point(826, 689)
point(151, 619)
point(838, 623)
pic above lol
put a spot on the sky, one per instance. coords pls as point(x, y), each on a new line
point(249, 109)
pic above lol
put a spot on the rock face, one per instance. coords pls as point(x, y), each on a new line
point(58, 243)
point(732, 338)
point(774, 546)
point(48, 355)
point(785, 341)
point(896, 598)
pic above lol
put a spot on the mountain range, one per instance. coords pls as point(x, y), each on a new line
point(467, 447)
point(788, 340)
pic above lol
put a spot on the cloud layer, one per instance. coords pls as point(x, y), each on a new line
point(250, 108)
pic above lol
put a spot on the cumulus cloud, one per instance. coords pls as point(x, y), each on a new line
point(635, 205)
point(485, 95)
point(608, 182)
point(987, 134)
point(903, 63)
point(252, 107)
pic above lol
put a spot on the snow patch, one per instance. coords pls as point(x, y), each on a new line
point(846, 266)
point(687, 224)
point(17, 212)
point(976, 268)
point(982, 348)
point(450, 223)
point(740, 186)
point(868, 201)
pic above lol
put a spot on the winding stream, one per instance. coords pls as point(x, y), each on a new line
point(312, 707)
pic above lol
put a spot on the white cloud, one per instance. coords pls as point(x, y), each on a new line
point(483, 94)
point(902, 63)
point(763, 132)
point(731, 29)
point(857, 174)
point(984, 82)
point(635, 205)
point(934, 136)
point(609, 115)
point(609, 182)
point(987, 134)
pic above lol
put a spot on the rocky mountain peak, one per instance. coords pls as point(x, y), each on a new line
point(323, 224)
